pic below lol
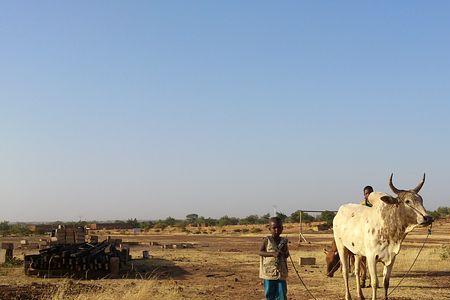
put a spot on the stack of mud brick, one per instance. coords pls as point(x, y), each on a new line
point(69, 235)
point(83, 260)
point(25, 245)
point(6, 252)
point(44, 243)
point(114, 241)
point(177, 246)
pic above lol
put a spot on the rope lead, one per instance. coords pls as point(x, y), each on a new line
point(415, 259)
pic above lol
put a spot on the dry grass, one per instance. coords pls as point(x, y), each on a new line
point(137, 290)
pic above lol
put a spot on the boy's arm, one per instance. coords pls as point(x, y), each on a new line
point(264, 253)
point(286, 252)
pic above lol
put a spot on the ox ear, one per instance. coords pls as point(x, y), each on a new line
point(389, 200)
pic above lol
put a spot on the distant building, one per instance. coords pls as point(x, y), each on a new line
point(110, 226)
point(42, 228)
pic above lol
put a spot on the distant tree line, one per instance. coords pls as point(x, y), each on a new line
point(440, 212)
point(199, 221)
point(195, 220)
point(9, 229)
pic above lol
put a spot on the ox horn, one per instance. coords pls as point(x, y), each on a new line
point(393, 188)
point(419, 186)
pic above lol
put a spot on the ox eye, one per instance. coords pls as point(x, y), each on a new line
point(408, 202)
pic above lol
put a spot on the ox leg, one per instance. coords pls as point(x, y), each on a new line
point(357, 270)
point(386, 276)
point(363, 271)
point(351, 264)
point(372, 265)
point(343, 253)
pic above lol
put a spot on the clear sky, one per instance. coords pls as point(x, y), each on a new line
point(146, 109)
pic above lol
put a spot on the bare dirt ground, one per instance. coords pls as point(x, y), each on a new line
point(226, 267)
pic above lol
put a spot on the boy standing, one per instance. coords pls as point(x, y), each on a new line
point(273, 262)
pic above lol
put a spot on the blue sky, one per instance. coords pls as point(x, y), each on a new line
point(112, 110)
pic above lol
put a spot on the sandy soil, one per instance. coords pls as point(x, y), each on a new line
point(226, 267)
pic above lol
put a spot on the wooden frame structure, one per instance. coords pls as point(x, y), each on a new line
point(301, 237)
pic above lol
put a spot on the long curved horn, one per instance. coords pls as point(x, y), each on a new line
point(391, 185)
point(418, 187)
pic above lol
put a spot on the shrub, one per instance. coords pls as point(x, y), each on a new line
point(445, 252)
point(328, 217)
point(13, 263)
point(252, 219)
point(255, 230)
point(15, 229)
point(306, 218)
point(160, 225)
point(225, 220)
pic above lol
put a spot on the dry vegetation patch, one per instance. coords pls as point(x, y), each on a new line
point(226, 267)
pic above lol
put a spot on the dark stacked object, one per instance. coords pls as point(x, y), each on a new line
point(83, 260)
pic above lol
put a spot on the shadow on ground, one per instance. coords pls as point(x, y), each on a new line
point(154, 268)
point(421, 274)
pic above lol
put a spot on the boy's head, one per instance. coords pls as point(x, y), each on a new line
point(367, 190)
point(275, 226)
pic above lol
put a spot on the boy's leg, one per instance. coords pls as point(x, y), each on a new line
point(270, 289)
point(282, 290)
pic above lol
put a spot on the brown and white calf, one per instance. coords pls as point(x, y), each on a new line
point(377, 232)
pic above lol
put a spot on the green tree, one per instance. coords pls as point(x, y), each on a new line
point(160, 224)
point(295, 217)
point(20, 229)
point(264, 219)
point(443, 211)
point(192, 219)
point(328, 217)
point(252, 219)
point(4, 226)
point(134, 223)
point(434, 214)
point(282, 216)
point(226, 220)
point(147, 225)
point(211, 222)
point(169, 221)
point(201, 221)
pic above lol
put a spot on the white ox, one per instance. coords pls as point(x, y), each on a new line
point(377, 232)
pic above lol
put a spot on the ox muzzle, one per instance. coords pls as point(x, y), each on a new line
point(427, 220)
